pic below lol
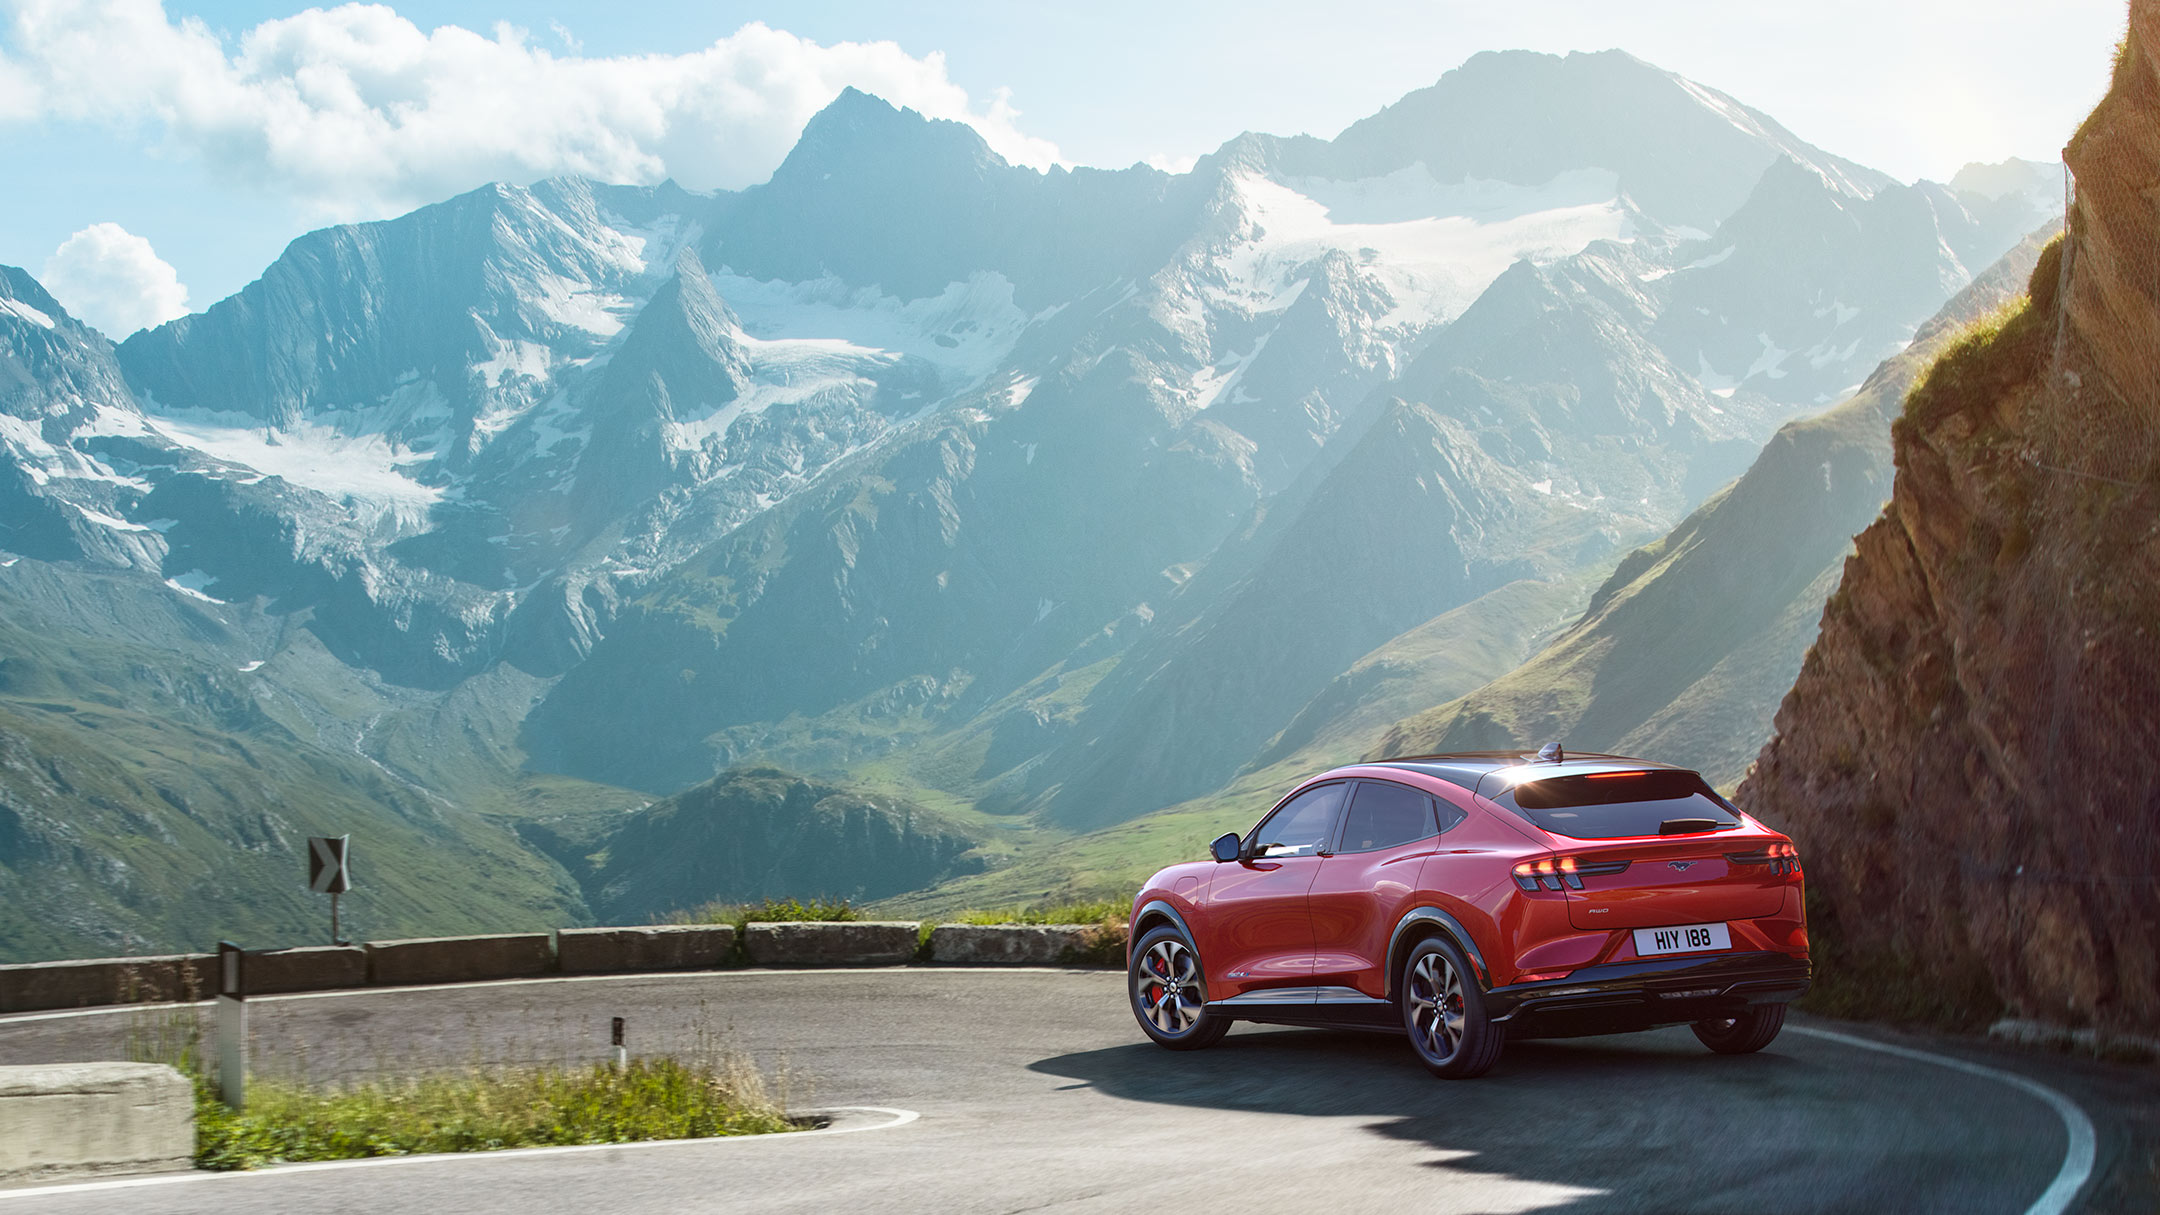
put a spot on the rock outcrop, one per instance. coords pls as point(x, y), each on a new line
point(1970, 759)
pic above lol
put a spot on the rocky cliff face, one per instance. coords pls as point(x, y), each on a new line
point(1971, 757)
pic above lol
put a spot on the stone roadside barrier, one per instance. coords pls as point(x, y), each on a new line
point(38, 986)
point(43, 986)
point(833, 943)
point(460, 959)
point(63, 1120)
point(1008, 944)
point(586, 951)
point(306, 968)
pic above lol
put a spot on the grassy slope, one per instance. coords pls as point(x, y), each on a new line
point(1441, 657)
point(150, 801)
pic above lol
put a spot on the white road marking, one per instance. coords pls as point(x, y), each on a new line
point(2077, 1162)
point(893, 1118)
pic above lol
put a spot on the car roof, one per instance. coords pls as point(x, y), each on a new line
point(1468, 769)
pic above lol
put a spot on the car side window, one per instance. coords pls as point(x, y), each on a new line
point(1383, 815)
point(1302, 825)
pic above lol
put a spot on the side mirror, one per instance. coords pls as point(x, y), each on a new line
point(1227, 848)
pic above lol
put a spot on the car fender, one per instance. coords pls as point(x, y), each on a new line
point(1425, 914)
point(1158, 908)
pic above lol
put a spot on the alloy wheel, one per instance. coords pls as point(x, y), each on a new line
point(1436, 1006)
point(1170, 992)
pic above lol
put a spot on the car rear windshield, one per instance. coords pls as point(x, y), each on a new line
point(1609, 805)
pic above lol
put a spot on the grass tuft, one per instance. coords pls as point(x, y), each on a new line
point(482, 1110)
point(1106, 910)
point(1102, 945)
point(768, 912)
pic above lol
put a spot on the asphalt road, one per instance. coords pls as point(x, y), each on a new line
point(1035, 1091)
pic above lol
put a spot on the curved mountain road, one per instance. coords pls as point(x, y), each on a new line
point(1034, 1090)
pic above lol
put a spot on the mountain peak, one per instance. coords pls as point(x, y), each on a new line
point(686, 338)
point(17, 284)
point(1686, 153)
point(858, 134)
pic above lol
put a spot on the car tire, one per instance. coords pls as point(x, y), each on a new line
point(1443, 1009)
point(1744, 1034)
point(1168, 991)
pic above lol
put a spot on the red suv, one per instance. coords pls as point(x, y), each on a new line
point(1470, 898)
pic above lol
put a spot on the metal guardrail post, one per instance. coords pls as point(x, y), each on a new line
point(232, 1026)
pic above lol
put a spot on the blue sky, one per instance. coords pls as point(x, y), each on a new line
point(196, 152)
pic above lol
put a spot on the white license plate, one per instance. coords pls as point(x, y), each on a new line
point(1682, 938)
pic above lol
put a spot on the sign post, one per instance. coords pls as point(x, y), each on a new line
point(232, 1027)
point(329, 872)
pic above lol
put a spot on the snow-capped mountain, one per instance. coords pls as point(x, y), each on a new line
point(1059, 492)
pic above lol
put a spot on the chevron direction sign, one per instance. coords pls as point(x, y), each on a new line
point(327, 871)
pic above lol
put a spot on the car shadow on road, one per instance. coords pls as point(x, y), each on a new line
point(1647, 1122)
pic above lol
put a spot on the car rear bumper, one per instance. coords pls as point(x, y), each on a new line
point(1644, 994)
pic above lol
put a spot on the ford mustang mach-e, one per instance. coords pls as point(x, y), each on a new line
point(1468, 899)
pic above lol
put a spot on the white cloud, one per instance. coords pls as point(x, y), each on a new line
point(358, 113)
point(113, 279)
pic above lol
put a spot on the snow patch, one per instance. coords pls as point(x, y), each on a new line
point(1712, 380)
point(529, 359)
point(579, 305)
point(650, 249)
point(1434, 247)
point(112, 522)
point(1211, 382)
point(195, 585)
point(785, 371)
point(246, 667)
point(1769, 362)
point(108, 421)
point(26, 312)
point(805, 340)
point(965, 331)
point(1704, 263)
point(1718, 258)
point(359, 469)
point(1827, 353)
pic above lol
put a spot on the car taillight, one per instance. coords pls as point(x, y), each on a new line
point(1556, 872)
point(1782, 858)
point(1532, 874)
